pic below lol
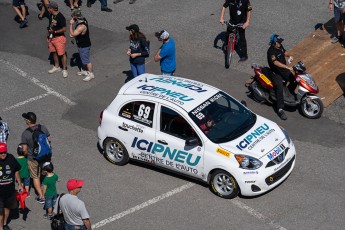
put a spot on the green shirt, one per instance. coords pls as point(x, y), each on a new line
point(50, 182)
point(24, 171)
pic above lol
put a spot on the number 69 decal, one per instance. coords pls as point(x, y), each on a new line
point(144, 111)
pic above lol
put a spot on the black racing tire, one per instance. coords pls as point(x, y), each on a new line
point(115, 152)
point(223, 184)
point(312, 109)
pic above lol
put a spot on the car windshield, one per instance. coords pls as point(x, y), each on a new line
point(221, 118)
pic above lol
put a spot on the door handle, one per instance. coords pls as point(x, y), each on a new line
point(124, 129)
point(162, 142)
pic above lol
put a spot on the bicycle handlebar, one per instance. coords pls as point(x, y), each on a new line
point(240, 25)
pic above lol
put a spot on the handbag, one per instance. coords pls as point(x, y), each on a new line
point(58, 221)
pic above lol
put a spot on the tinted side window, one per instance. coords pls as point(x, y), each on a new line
point(139, 111)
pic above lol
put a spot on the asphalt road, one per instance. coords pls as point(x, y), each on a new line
point(136, 196)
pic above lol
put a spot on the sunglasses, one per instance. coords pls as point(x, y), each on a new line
point(3, 153)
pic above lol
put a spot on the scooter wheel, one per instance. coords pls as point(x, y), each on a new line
point(311, 108)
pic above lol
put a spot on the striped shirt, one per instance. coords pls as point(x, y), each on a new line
point(4, 131)
point(339, 3)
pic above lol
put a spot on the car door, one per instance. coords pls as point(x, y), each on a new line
point(136, 127)
point(173, 129)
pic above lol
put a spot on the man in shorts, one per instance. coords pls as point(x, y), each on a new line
point(9, 173)
point(56, 38)
point(338, 7)
point(28, 148)
point(19, 7)
point(82, 38)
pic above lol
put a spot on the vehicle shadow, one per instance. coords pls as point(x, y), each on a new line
point(128, 74)
point(341, 82)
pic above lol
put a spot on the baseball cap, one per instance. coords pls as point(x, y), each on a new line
point(53, 5)
point(30, 116)
point(48, 166)
point(3, 147)
point(134, 27)
point(73, 184)
point(77, 13)
point(162, 34)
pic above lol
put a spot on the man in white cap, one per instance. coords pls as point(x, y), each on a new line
point(166, 54)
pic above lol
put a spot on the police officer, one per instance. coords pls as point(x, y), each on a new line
point(240, 12)
point(276, 58)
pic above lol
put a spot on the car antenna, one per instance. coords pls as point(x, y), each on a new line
point(145, 79)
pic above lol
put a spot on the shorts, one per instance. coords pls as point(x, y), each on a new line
point(18, 3)
point(57, 44)
point(9, 202)
point(49, 201)
point(26, 181)
point(339, 14)
point(34, 169)
point(84, 54)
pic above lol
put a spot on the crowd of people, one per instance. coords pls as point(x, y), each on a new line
point(30, 166)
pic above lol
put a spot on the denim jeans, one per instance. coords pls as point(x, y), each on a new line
point(137, 69)
point(104, 3)
point(72, 227)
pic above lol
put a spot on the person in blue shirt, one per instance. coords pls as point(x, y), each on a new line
point(166, 54)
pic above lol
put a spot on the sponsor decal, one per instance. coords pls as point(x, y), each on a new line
point(250, 172)
point(0, 173)
point(183, 84)
point(223, 152)
point(8, 172)
point(197, 111)
point(276, 152)
point(132, 127)
point(126, 114)
point(164, 93)
point(165, 152)
point(8, 167)
point(250, 182)
point(255, 137)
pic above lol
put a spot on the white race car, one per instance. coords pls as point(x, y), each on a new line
point(196, 129)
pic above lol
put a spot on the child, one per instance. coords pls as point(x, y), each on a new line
point(49, 189)
point(24, 171)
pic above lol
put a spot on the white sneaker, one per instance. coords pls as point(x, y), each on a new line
point(89, 77)
point(82, 73)
point(54, 70)
point(64, 73)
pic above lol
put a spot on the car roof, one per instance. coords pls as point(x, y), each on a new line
point(183, 92)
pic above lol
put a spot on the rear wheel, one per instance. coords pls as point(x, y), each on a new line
point(115, 152)
point(229, 52)
point(223, 184)
point(311, 108)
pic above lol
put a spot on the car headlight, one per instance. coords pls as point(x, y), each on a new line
point(286, 135)
point(248, 162)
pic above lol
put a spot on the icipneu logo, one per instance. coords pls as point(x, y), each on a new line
point(135, 128)
point(253, 137)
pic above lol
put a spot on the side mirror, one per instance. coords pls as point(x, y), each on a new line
point(192, 141)
point(243, 102)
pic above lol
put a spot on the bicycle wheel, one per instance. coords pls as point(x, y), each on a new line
point(229, 51)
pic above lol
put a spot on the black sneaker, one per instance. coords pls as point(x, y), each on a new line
point(281, 114)
point(106, 9)
point(243, 59)
point(117, 1)
point(7, 228)
point(23, 23)
point(88, 4)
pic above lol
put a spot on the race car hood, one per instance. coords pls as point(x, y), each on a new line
point(264, 136)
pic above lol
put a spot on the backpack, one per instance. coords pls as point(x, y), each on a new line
point(42, 150)
point(58, 221)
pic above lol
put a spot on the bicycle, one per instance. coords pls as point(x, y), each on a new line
point(231, 41)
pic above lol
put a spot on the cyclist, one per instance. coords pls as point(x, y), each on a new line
point(240, 12)
point(276, 58)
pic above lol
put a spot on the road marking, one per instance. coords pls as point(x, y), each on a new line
point(38, 83)
point(143, 205)
point(25, 102)
point(258, 215)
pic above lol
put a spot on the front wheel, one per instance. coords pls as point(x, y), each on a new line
point(311, 108)
point(115, 152)
point(223, 184)
point(229, 52)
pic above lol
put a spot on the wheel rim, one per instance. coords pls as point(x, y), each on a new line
point(114, 151)
point(223, 184)
point(311, 108)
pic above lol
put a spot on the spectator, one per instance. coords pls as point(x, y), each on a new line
point(166, 54)
point(130, 1)
point(24, 171)
point(138, 50)
point(19, 8)
point(4, 131)
point(57, 39)
point(82, 38)
point(240, 12)
point(49, 189)
point(44, 8)
point(8, 175)
point(339, 18)
point(28, 149)
point(74, 4)
point(104, 6)
point(73, 209)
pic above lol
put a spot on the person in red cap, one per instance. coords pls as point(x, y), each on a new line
point(9, 173)
point(74, 210)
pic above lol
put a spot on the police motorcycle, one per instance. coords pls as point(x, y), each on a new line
point(261, 89)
